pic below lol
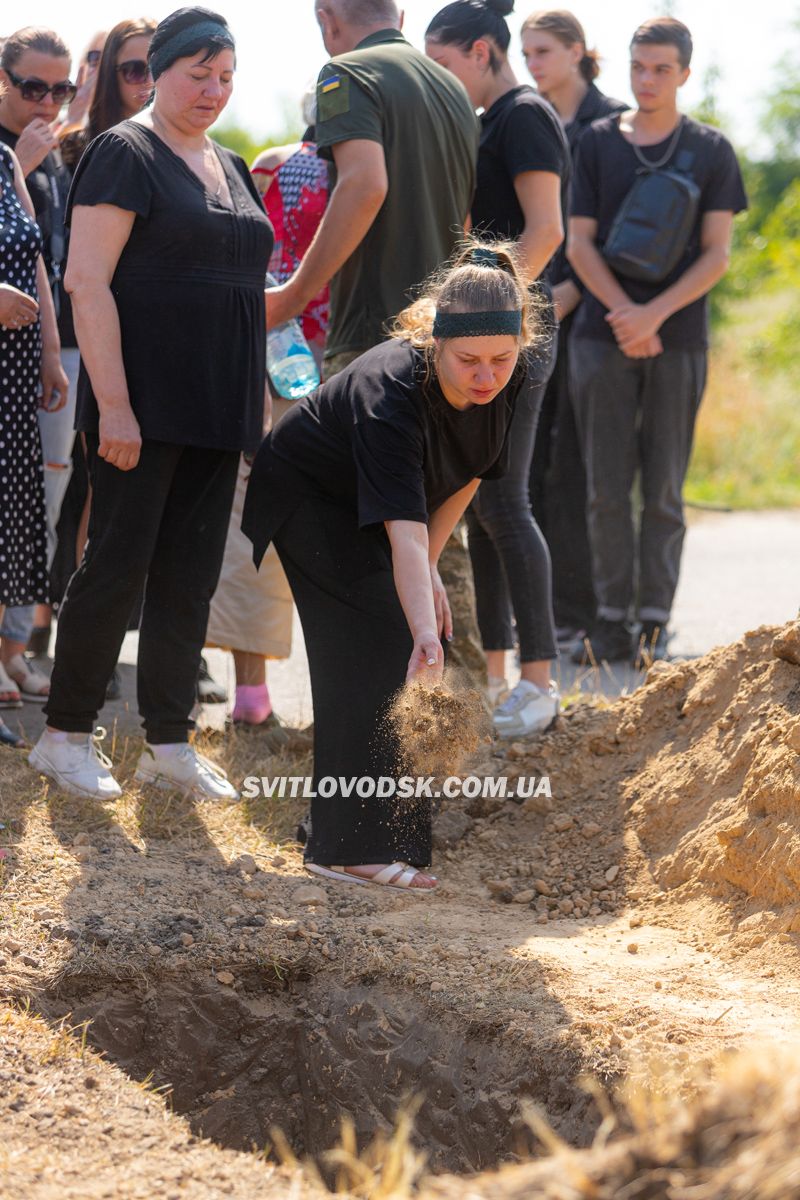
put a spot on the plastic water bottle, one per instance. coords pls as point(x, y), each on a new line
point(291, 365)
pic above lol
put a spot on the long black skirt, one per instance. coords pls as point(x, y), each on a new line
point(358, 645)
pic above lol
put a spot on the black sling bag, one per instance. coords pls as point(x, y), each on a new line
point(655, 221)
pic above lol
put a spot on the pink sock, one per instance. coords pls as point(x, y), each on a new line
point(253, 704)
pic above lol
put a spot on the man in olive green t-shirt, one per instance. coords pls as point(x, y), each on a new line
point(404, 140)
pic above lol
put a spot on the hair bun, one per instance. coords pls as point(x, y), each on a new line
point(502, 7)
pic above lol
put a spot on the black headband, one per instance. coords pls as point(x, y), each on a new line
point(176, 46)
point(477, 324)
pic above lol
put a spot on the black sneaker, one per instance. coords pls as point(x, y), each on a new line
point(208, 690)
point(610, 641)
point(114, 685)
point(653, 644)
point(568, 635)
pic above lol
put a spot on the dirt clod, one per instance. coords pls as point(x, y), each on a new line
point(308, 894)
point(450, 827)
point(786, 644)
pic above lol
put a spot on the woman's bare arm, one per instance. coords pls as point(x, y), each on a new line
point(97, 239)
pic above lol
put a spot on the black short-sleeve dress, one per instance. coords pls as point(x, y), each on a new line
point(378, 442)
point(189, 289)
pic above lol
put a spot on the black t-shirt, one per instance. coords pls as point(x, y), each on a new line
point(48, 185)
point(520, 132)
point(189, 289)
point(378, 439)
point(605, 170)
point(592, 107)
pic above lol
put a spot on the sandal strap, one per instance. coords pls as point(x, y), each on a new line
point(33, 681)
point(7, 684)
point(389, 875)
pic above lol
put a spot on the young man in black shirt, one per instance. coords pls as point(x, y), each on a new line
point(639, 348)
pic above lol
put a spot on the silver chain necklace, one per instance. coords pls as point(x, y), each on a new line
point(654, 164)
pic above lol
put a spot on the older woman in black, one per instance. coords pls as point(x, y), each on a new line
point(359, 488)
point(168, 253)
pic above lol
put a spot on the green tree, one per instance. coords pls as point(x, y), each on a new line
point(708, 110)
point(781, 121)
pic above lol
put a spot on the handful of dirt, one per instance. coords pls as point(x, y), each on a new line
point(438, 727)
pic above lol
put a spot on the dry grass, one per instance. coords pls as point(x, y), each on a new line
point(31, 809)
point(389, 1168)
point(747, 444)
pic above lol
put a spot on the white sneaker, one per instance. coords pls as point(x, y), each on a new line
point(184, 770)
point(496, 688)
point(78, 767)
point(527, 709)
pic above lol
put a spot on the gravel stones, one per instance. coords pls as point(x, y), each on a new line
point(449, 828)
point(308, 894)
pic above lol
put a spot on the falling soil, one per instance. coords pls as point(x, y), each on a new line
point(439, 728)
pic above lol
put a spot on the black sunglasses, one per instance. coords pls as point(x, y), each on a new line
point(37, 89)
point(93, 57)
point(135, 70)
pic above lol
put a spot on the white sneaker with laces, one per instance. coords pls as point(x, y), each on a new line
point(79, 767)
point(526, 710)
point(184, 770)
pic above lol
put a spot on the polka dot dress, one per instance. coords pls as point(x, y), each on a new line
point(23, 552)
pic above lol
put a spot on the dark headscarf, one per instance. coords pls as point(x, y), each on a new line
point(185, 33)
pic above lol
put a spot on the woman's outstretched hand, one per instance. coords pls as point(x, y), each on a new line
point(427, 659)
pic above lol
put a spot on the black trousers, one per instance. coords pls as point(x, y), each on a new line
point(162, 526)
point(636, 415)
point(358, 644)
point(558, 495)
point(510, 560)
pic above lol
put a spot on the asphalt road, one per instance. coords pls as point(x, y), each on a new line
point(740, 570)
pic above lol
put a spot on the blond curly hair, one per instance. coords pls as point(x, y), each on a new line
point(465, 285)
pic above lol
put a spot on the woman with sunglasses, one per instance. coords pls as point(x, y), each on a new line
point(123, 85)
point(29, 359)
point(35, 69)
point(169, 246)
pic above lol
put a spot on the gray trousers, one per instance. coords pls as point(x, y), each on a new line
point(635, 415)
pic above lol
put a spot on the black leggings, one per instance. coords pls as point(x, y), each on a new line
point(358, 644)
point(510, 559)
point(164, 522)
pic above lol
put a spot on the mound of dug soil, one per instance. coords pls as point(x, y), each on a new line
point(726, 810)
point(690, 786)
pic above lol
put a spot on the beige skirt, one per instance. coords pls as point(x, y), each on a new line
point(251, 610)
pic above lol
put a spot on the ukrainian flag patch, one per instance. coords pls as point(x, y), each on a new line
point(333, 97)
